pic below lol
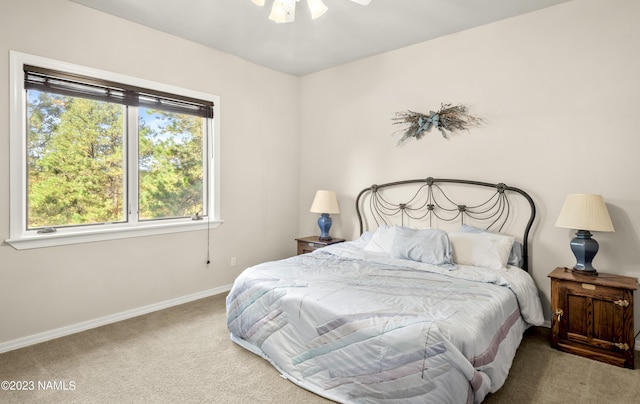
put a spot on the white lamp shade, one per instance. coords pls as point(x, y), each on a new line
point(317, 8)
point(585, 212)
point(258, 2)
point(283, 11)
point(325, 202)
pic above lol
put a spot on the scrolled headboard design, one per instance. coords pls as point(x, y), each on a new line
point(427, 200)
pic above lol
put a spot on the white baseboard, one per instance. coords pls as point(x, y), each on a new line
point(112, 318)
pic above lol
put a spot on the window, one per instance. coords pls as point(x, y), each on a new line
point(95, 155)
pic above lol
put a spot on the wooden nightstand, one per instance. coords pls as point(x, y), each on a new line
point(312, 243)
point(593, 316)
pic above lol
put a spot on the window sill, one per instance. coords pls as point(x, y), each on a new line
point(107, 233)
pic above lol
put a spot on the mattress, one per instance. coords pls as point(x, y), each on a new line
point(360, 327)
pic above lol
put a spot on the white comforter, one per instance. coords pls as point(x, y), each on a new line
point(358, 327)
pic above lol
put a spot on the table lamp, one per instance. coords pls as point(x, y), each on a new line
point(584, 213)
point(325, 202)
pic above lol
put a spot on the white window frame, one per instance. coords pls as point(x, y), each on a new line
point(21, 238)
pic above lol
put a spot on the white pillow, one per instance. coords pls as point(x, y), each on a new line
point(488, 250)
point(381, 240)
point(515, 256)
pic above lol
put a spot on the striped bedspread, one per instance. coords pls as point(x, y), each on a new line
point(357, 327)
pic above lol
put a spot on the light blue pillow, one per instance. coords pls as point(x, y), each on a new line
point(430, 246)
point(515, 256)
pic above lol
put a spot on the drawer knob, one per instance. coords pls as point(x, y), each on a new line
point(622, 303)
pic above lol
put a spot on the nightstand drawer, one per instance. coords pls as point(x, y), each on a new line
point(312, 243)
point(308, 247)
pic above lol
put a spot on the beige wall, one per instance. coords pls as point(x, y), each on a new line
point(558, 87)
point(560, 90)
point(45, 289)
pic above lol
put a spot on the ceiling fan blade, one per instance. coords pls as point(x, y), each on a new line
point(363, 2)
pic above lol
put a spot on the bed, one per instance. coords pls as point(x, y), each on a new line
point(427, 305)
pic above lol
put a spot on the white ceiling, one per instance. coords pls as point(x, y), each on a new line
point(347, 32)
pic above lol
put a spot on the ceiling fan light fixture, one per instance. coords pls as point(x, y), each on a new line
point(285, 10)
point(317, 8)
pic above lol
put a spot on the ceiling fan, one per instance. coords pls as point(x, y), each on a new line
point(285, 10)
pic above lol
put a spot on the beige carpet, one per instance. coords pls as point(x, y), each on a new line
point(184, 355)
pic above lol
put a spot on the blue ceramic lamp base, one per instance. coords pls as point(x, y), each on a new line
point(324, 222)
point(584, 248)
